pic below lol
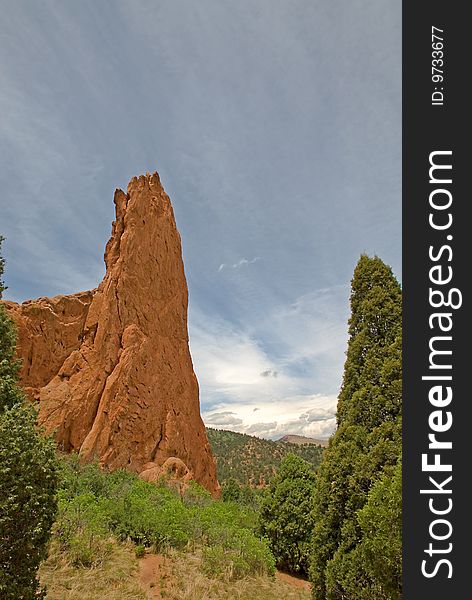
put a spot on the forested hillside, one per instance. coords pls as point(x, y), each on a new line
point(251, 460)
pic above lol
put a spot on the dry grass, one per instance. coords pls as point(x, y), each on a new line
point(118, 578)
point(188, 583)
point(114, 579)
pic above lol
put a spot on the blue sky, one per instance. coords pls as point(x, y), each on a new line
point(275, 126)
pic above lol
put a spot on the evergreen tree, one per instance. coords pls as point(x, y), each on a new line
point(9, 366)
point(286, 514)
point(367, 443)
point(231, 491)
point(28, 482)
point(28, 478)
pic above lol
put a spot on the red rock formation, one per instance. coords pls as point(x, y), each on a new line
point(174, 472)
point(173, 468)
point(49, 330)
point(112, 368)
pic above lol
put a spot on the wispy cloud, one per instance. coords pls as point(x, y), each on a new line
point(239, 264)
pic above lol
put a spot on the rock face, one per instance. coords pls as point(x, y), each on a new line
point(49, 330)
point(111, 368)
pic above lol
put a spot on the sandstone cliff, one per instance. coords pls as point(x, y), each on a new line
point(111, 368)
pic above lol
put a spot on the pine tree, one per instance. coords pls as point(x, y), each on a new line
point(367, 443)
point(28, 477)
point(231, 491)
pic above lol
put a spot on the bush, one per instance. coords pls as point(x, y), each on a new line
point(155, 516)
point(231, 491)
point(88, 549)
point(286, 514)
point(77, 478)
point(196, 495)
point(150, 516)
point(241, 555)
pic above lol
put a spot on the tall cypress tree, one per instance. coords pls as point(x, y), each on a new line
point(367, 442)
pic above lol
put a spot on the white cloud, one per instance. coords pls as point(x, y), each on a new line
point(312, 416)
point(228, 361)
point(319, 414)
point(223, 419)
point(249, 387)
point(262, 429)
point(239, 264)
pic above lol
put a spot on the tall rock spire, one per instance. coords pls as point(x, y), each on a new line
point(112, 368)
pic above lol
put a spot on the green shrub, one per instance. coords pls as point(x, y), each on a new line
point(241, 555)
point(77, 478)
point(225, 516)
point(81, 530)
point(286, 514)
point(149, 515)
point(88, 549)
point(82, 512)
point(231, 491)
point(196, 495)
point(232, 550)
point(94, 504)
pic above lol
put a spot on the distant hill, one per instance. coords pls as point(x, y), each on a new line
point(252, 460)
point(301, 439)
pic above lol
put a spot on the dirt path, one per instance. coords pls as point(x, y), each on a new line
point(153, 572)
point(293, 581)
